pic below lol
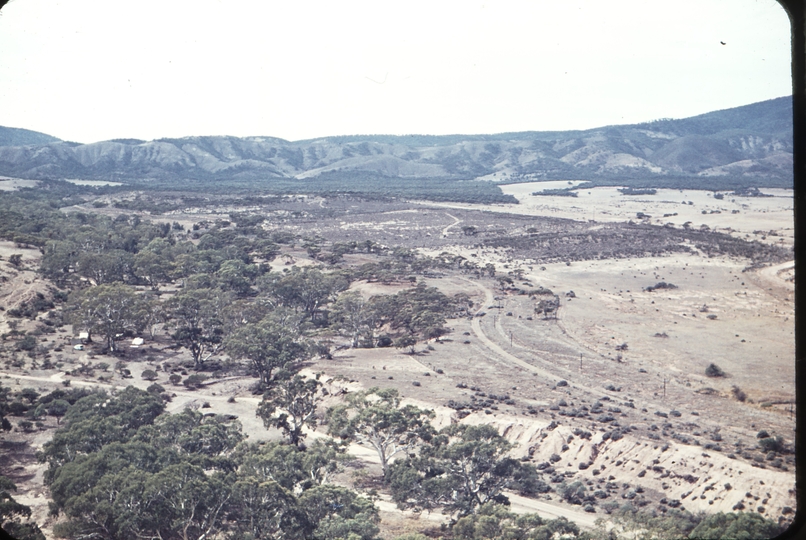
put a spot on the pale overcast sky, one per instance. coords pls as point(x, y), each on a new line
point(91, 70)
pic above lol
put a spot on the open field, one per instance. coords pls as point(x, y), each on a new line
point(622, 363)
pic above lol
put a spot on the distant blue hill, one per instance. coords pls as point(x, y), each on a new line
point(743, 146)
point(23, 137)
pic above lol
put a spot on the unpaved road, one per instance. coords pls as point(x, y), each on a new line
point(525, 505)
point(456, 222)
point(498, 350)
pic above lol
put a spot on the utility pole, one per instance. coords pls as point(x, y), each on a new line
point(664, 388)
point(580, 363)
point(510, 338)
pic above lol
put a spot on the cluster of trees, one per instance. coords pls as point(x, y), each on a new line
point(128, 250)
point(419, 312)
point(462, 468)
point(229, 299)
point(268, 330)
point(459, 468)
point(123, 468)
point(372, 184)
point(632, 240)
point(567, 192)
point(32, 407)
point(120, 467)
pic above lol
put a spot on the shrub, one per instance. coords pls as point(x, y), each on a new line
point(714, 370)
point(150, 375)
point(573, 493)
point(175, 379)
point(28, 343)
point(195, 381)
point(738, 393)
point(772, 444)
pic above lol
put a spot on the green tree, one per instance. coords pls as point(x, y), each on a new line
point(264, 509)
point(97, 419)
point(58, 409)
point(307, 290)
point(290, 404)
point(294, 469)
point(269, 345)
point(496, 522)
point(196, 321)
point(105, 267)
point(5, 400)
point(108, 310)
point(59, 261)
point(407, 341)
point(339, 513)
point(151, 268)
point(375, 418)
point(192, 433)
point(463, 468)
point(183, 501)
point(235, 276)
point(354, 317)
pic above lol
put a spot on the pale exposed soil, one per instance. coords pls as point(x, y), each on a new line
point(13, 184)
point(607, 204)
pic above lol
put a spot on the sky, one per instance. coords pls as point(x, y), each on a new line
point(88, 71)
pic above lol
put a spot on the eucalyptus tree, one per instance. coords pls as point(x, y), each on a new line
point(195, 317)
point(462, 468)
point(376, 418)
point(305, 290)
point(109, 310)
point(274, 343)
point(290, 404)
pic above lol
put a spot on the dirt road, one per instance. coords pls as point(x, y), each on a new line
point(456, 222)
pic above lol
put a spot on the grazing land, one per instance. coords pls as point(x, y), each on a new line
point(632, 353)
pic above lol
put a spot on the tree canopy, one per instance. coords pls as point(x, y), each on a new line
point(376, 418)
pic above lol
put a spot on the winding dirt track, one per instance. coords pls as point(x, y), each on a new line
point(456, 222)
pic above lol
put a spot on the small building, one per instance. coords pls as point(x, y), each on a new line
point(136, 342)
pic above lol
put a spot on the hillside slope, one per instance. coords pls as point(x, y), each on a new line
point(20, 137)
point(752, 143)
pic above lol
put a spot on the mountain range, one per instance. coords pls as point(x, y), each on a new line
point(753, 142)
